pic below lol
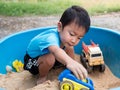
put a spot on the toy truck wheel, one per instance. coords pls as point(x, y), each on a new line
point(102, 68)
point(89, 69)
point(83, 60)
point(66, 85)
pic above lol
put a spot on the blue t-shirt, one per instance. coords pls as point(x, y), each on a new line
point(39, 44)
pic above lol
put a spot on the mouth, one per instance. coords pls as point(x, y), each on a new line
point(70, 45)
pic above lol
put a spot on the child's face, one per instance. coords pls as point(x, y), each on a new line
point(71, 34)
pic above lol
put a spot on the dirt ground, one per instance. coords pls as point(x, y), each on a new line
point(25, 81)
point(9, 25)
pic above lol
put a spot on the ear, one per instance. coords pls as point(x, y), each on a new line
point(59, 26)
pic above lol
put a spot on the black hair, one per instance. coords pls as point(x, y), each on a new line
point(76, 14)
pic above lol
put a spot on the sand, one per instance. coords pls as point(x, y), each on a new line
point(25, 81)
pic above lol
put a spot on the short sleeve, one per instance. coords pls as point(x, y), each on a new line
point(40, 43)
point(50, 39)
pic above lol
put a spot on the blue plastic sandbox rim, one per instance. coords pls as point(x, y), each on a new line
point(50, 27)
point(20, 32)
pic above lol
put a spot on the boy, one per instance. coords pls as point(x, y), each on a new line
point(57, 45)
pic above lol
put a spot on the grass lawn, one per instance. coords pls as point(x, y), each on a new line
point(55, 7)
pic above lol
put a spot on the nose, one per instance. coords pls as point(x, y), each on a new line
point(73, 41)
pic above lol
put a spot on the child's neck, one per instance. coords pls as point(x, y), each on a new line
point(62, 46)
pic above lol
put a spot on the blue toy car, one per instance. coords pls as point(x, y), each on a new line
point(69, 82)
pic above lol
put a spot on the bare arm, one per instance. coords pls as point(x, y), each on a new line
point(70, 52)
point(78, 70)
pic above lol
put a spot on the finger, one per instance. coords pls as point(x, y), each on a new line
point(84, 73)
point(81, 75)
point(76, 74)
point(84, 76)
point(81, 72)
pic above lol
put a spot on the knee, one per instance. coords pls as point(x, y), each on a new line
point(47, 59)
point(51, 61)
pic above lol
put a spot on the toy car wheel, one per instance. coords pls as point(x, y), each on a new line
point(83, 60)
point(89, 69)
point(84, 89)
point(102, 68)
point(66, 85)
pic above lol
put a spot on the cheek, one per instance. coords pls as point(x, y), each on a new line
point(77, 42)
point(63, 38)
point(66, 37)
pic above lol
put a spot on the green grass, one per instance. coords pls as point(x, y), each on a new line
point(40, 8)
point(101, 9)
point(55, 7)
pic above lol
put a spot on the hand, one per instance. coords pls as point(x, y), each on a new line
point(78, 70)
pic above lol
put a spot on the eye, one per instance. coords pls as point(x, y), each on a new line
point(80, 37)
point(72, 34)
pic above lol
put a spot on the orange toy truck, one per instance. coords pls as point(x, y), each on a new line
point(92, 57)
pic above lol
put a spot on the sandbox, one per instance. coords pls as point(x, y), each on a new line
point(14, 46)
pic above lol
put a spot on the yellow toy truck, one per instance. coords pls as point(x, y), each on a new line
point(92, 57)
point(68, 81)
